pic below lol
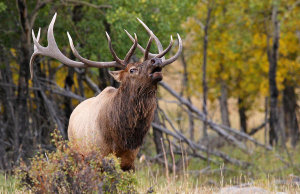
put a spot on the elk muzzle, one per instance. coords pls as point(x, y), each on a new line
point(155, 67)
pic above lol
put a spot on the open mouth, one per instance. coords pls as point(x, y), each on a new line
point(156, 74)
point(155, 70)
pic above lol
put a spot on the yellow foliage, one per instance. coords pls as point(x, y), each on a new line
point(237, 46)
point(13, 52)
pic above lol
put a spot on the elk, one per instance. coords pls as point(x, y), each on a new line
point(117, 120)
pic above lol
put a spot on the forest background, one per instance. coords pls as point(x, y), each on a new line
point(233, 94)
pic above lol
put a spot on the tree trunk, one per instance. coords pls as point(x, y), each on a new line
point(22, 97)
point(80, 78)
point(157, 134)
point(204, 83)
point(8, 121)
point(40, 115)
point(68, 108)
point(290, 118)
point(185, 81)
point(272, 58)
point(104, 78)
point(77, 15)
point(242, 113)
point(266, 120)
point(223, 104)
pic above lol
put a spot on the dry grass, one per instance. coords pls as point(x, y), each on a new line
point(268, 172)
point(204, 184)
point(152, 179)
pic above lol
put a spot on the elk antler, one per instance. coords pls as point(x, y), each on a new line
point(128, 55)
point(159, 46)
point(146, 54)
point(117, 63)
point(89, 62)
point(53, 51)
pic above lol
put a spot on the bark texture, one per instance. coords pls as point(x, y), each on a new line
point(290, 117)
point(223, 104)
point(242, 113)
point(272, 58)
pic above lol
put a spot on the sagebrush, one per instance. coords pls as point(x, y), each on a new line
point(65, 171)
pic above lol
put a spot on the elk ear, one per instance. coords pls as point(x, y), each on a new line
point(116, 75)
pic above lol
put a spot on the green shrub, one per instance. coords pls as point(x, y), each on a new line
point(65, 171)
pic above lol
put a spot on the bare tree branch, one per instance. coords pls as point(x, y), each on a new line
point(39, 5)
point(91, 84)
point(256, 129)
point(216, 127)
point(195, 146)
point(60, 91)
point(51, 110)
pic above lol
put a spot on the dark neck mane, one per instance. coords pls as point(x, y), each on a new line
point(132, 115)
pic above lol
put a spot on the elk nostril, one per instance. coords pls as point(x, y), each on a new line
point(153, 61)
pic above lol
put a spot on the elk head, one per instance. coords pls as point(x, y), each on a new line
point(148, 71)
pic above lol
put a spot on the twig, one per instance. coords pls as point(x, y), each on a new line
point(183, 161)
point(173, 160)
point(166, 161)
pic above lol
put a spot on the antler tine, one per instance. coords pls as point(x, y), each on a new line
point(38, 38)
point(54, 51)
point(167, 49)
point(146, 54)
point(131, 51)
point(89, 62)
point(117, 59)
point(158, 43)
point(35, 53)
point(172, 59)
point(51, 50)
point(138, 45)
point(159, 46)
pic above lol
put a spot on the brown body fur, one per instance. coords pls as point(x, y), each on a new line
point(117, 120)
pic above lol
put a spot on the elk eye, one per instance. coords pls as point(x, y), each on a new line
point(133, 70)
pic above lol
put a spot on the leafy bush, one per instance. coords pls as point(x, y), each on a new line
point(65, 171)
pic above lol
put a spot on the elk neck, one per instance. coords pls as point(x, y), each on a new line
point(133, 114)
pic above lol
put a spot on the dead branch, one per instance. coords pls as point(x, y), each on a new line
point(195, 146)
point(216, 127)
point(213, 126)
point(91, 84)
point(58, 90)
point(256, 129)
point(51, 110)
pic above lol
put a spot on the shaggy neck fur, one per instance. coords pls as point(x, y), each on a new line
point(132, 115)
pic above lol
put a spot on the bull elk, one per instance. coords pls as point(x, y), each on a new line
point(116, 120)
